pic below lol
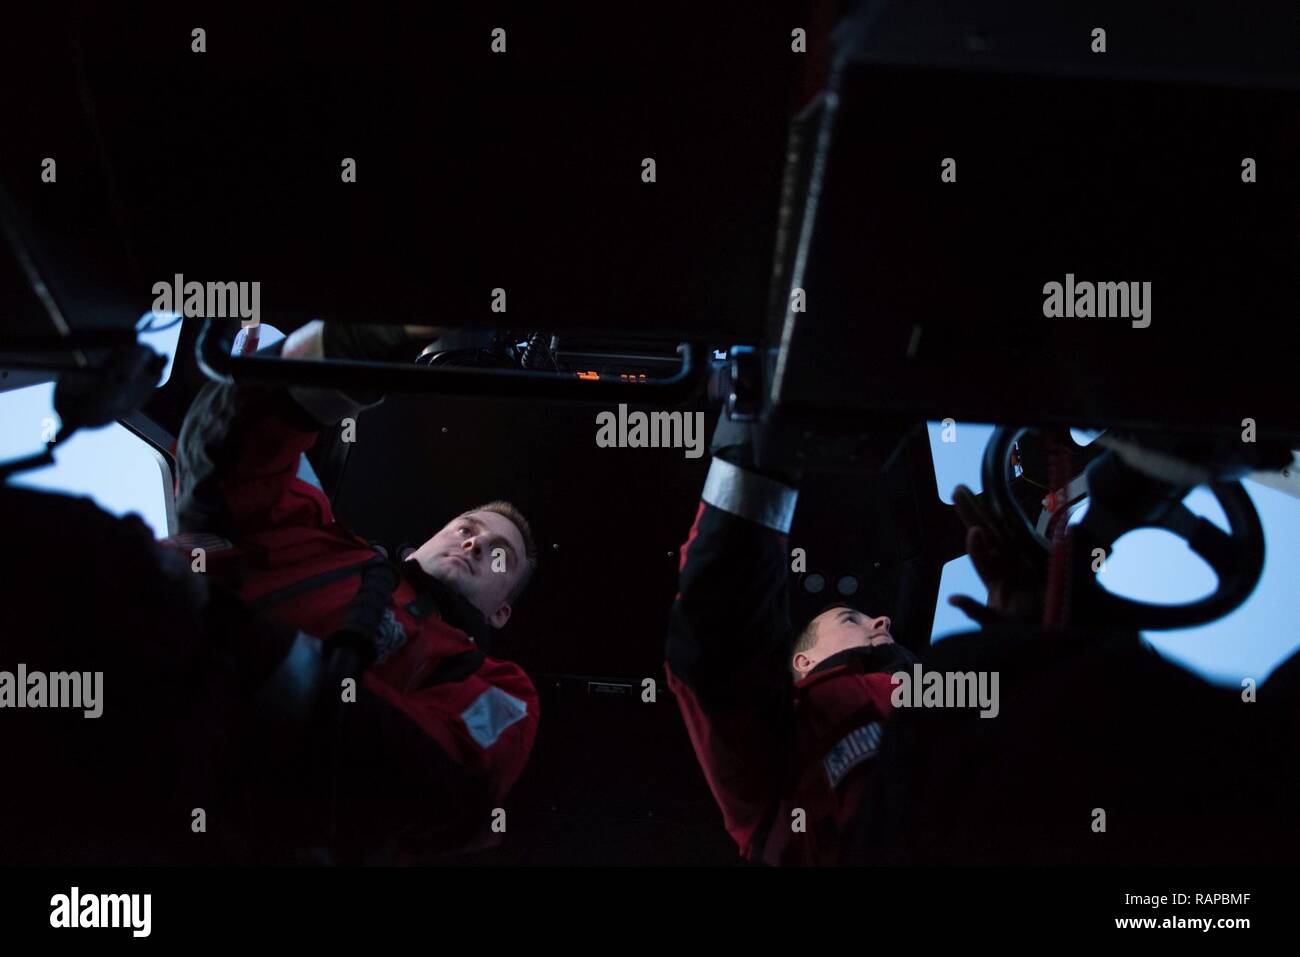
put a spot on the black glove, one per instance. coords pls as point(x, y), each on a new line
point(737, 444)
point(1016, 583)
point(386, 343)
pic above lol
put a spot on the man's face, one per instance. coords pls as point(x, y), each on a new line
point(481, 555)
point(839, 629)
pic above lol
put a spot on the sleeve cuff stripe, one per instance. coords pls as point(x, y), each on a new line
point(750, 495)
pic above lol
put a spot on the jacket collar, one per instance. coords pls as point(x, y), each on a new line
point(868, 658)
point(453, 607)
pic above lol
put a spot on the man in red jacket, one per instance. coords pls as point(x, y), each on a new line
point(787, 760)
point(452, 726)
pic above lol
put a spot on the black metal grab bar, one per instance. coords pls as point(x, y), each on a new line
point(213, 351)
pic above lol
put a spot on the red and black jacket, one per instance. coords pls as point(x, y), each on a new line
point(273, 536)
point(786, 761)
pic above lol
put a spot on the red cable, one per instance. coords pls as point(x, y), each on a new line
point(1056, 604)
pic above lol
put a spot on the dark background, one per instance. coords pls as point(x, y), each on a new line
point(474, 171)
point(523, 171)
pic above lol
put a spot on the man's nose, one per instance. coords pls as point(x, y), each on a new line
point(882, 624)
point(471, 545)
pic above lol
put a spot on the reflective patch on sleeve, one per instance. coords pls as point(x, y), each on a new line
point(851, 750)
point(490, 714)
point(750, 495)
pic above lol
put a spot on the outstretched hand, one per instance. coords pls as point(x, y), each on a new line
point(1014, 582)
point(376, 343)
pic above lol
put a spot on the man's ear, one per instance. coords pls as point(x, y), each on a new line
point(499, 617)
point(802, 663)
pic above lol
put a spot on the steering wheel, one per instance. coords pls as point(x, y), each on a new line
point(1122, 499)
point(1032, 534)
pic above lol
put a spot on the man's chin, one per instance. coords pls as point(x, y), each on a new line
point(454, 575)
point(446, 571)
